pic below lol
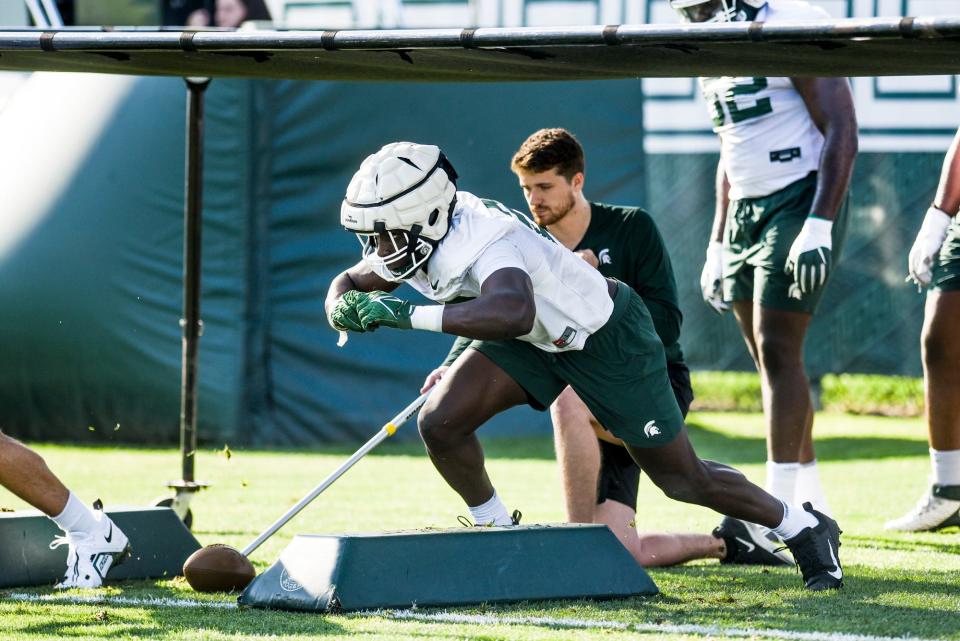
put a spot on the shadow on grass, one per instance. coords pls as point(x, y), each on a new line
point(874, 602)
point(947, 543)
point(726, 448)
point(144, 621)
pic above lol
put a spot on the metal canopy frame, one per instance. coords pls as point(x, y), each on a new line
point(851, 47)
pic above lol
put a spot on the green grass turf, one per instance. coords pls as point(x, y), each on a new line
point(874, 469)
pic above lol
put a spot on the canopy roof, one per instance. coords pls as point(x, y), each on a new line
point(852, 47)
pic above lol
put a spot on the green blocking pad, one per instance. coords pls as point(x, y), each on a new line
point(159, 540)
point(328, 573)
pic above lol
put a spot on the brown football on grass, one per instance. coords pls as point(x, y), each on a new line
point(218, 568)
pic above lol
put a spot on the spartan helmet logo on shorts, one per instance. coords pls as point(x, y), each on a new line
point(604, 257)
point(399, 205)
point(651, 429)
point(717, 10)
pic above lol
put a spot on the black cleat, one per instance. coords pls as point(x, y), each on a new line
point(817, 551)
point(748, 544)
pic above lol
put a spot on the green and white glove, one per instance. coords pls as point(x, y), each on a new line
point(380, 309)
point(925, 248)
point(711, 278)
point(344, 316)
point(810, 256)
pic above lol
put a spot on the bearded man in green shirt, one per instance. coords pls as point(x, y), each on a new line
point(600, 480)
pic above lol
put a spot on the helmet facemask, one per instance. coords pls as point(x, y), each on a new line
point(407, 251)
point(705, 11)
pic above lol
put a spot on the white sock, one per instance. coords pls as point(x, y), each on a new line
point(809, 488)
point(76, 517)
point(795, 519)
point(493, 512)
point(782, 480)
point(946, 466)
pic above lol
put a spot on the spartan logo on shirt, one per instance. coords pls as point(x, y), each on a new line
point(566, 338)
point(604, 257)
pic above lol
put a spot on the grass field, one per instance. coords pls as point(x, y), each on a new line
point(874, 468)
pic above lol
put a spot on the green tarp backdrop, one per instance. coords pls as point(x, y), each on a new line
point(91, 290)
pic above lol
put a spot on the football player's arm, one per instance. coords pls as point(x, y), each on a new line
point(830, 104)
point(937, 220)
point(358, 278)
point(711, 278)
point(948, 192)
point(723, 202)
point(504, 309)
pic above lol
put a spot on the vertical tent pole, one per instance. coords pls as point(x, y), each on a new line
point(190, 324)
point(192, 228)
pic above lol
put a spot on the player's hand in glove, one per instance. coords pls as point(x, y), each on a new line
point(925, 248)
point(810, 255)
point(380, 309)
point(711, 278)
point(344, 316)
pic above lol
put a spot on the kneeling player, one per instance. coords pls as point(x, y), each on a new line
point(544, 320)
point(96, 544)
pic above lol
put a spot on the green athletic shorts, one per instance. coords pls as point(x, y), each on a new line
point(946, 269)
point(759, 233)
point(620, 374)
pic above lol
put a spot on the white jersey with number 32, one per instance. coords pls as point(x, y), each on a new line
point(767, 137)
point(485, 236)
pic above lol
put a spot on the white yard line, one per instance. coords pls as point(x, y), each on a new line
point(711, 631)
point(160, 602)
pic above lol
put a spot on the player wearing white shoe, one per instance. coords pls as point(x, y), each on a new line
point(787, 147)
point(541, 319)
point(934, 264)
point(95, 543)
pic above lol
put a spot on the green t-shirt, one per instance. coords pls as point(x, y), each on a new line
point(629, 247)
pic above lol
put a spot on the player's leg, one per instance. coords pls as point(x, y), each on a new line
point(578, 455)
point(940, 348)
point(24, 472)
point(622, 377)
point(473, 390)
point(656, 549)
point(95, 543)
point(743, 313)
point(784, 385)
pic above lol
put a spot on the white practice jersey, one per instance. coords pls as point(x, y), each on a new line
point(485, 236)
point(767, 137)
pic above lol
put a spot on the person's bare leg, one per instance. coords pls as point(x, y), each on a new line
point(472, 391)
point(940, 348)
point(677, 470)
point(940, 344)
point(743, 313)
point(578, 455)
point(24, 472)
point(786, 391)
point(656, 549)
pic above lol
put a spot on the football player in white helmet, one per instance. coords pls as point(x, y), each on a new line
point(717, 10)
point(542, 319)
point(934, 263)
point(95, 543)
point(787, 147)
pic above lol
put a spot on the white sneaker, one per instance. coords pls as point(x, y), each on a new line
point(932, 512)
point(91, 555)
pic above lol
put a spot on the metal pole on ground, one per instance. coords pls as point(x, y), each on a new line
point(191, 324)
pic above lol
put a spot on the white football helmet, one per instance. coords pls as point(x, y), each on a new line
point(717, 10)
point(407, 190)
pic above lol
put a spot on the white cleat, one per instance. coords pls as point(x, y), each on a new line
point(91, 555)
point(932, 512)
